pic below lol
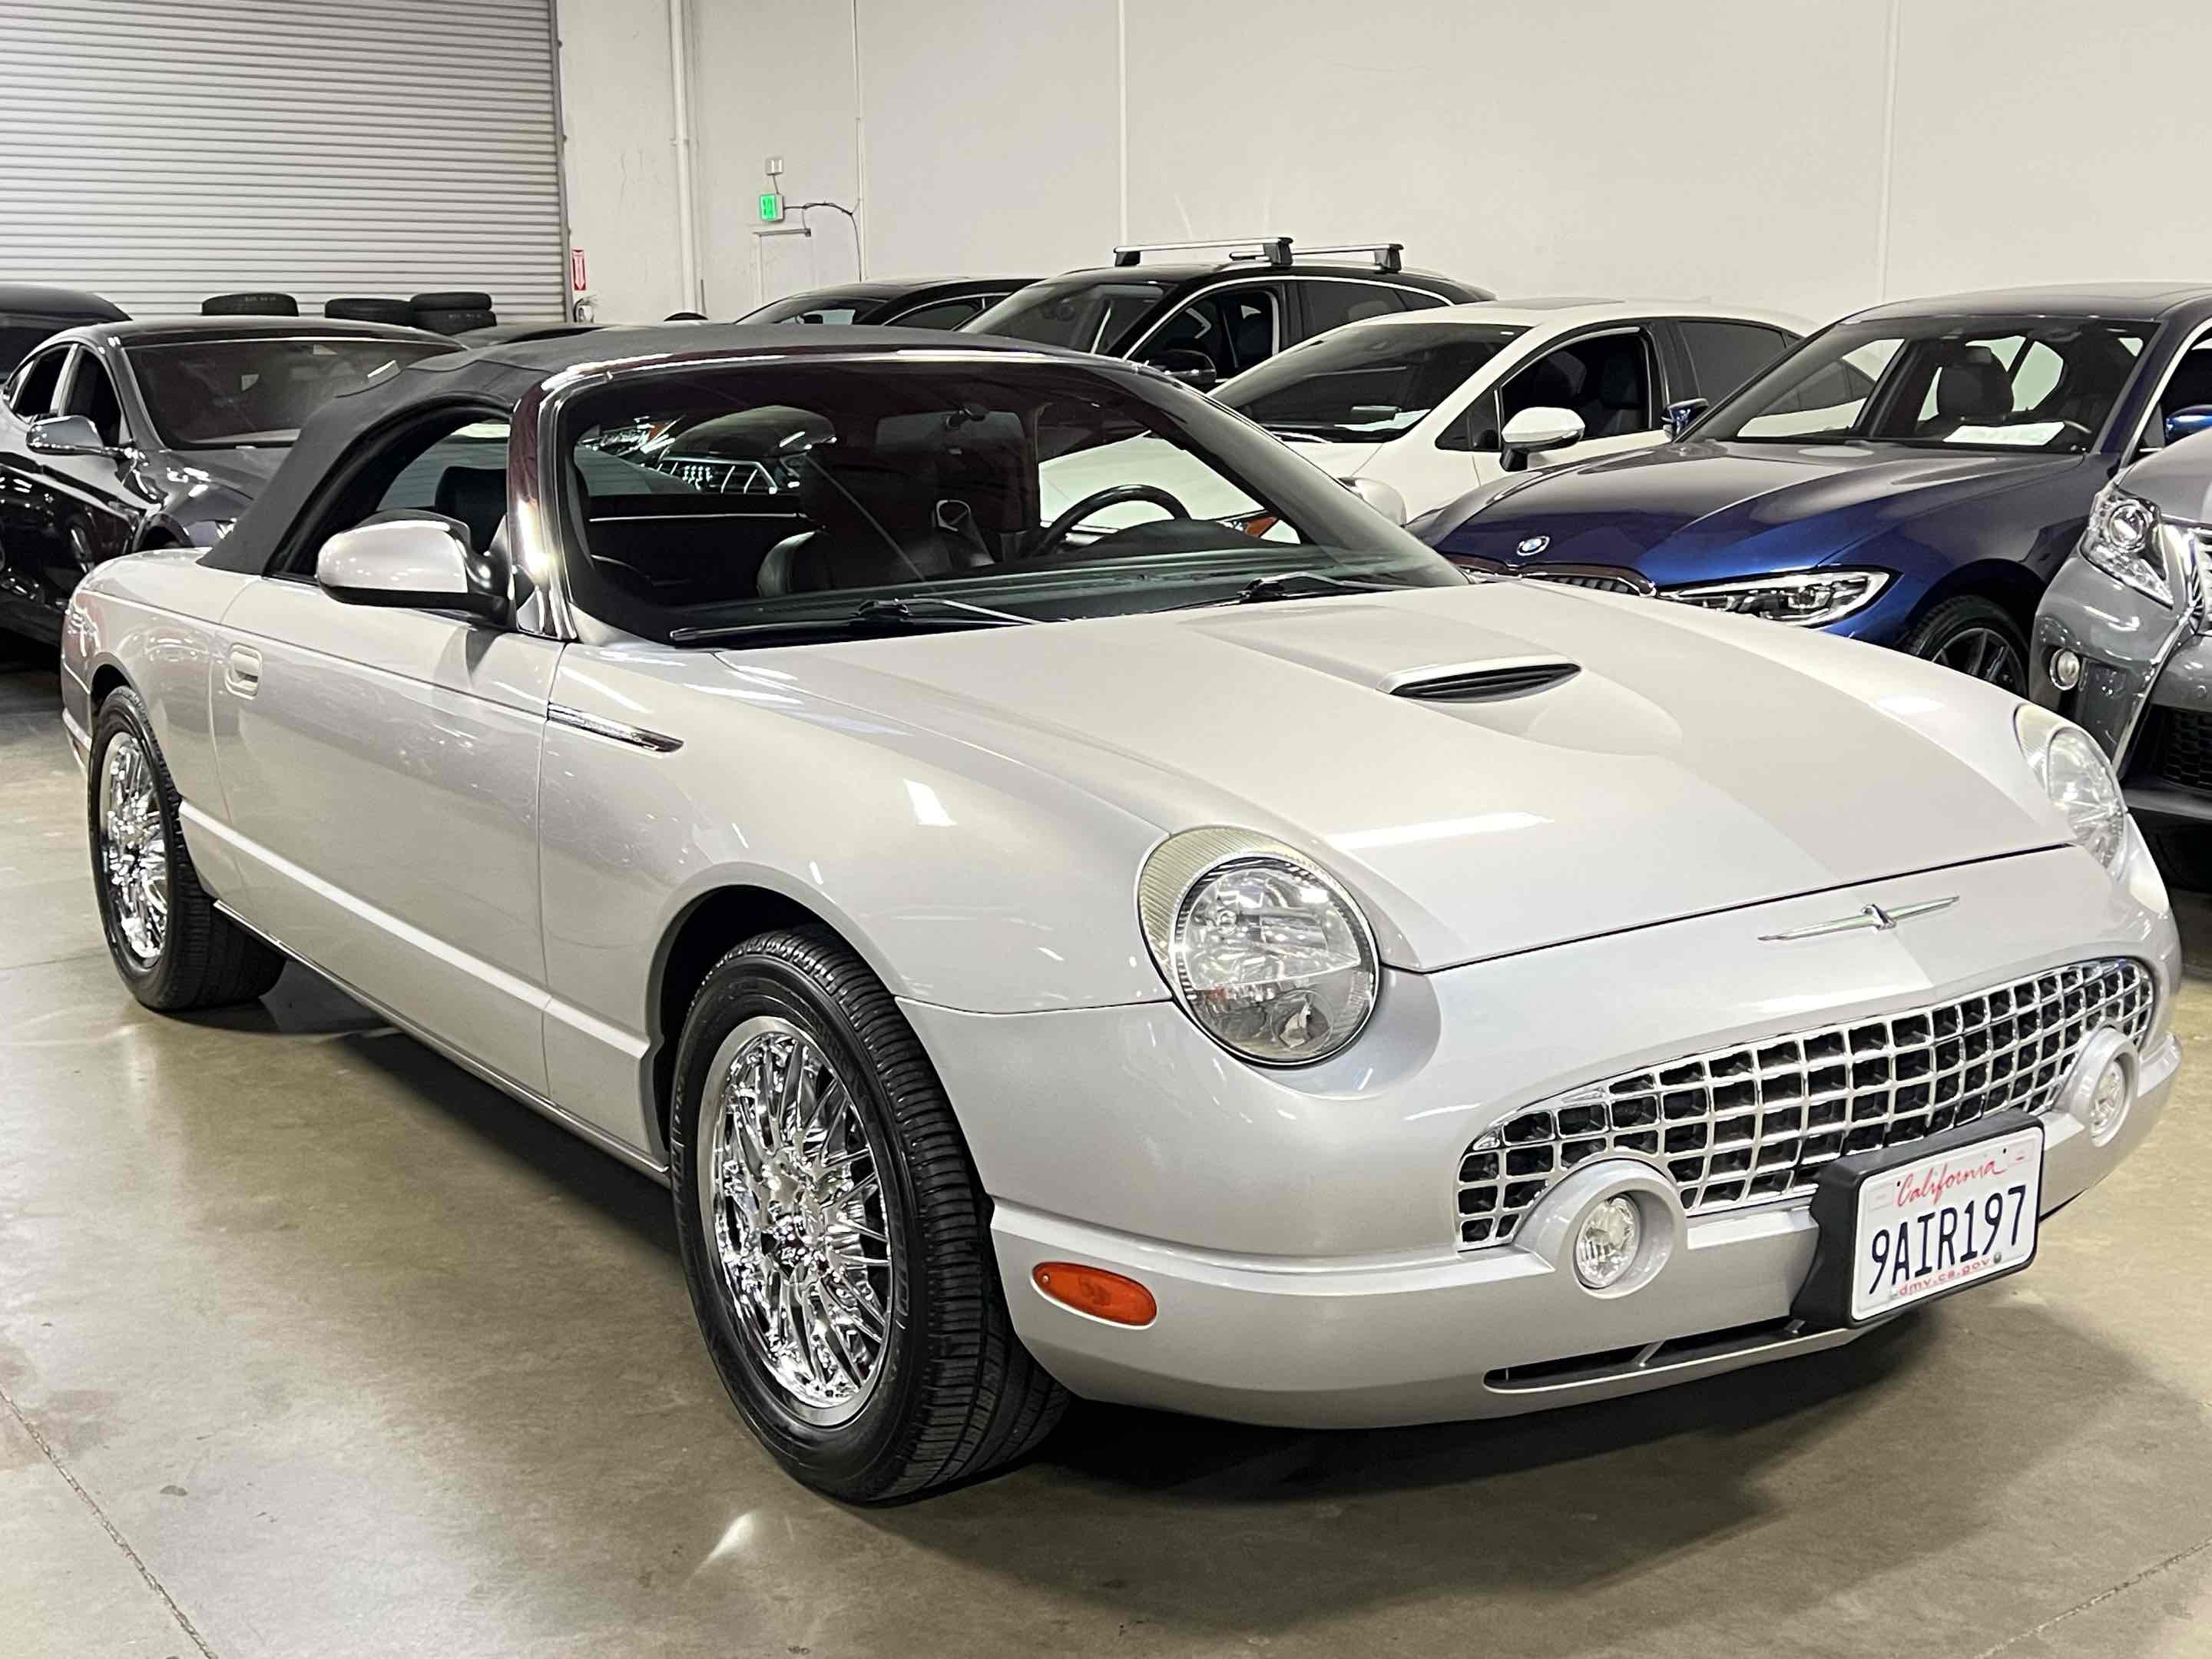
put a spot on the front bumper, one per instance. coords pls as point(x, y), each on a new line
point(2135, 653)
point(1298, 1230)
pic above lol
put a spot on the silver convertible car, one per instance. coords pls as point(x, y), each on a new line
point(1053, 941)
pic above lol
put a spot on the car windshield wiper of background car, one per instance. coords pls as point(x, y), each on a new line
point(922, 612)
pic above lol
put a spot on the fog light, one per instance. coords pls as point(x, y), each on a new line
point(2065, 670)
point(2108, 1101)
point(1605, 1249)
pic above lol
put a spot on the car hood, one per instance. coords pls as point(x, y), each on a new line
point(1696, 762)
point(1696, 511)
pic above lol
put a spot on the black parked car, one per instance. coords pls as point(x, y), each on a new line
point(1204, 321)
point(118, 436)
point(917, 302)
point(29, 311)
point(1911, 476)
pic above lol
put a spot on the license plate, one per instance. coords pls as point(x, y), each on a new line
point(1917, 1222)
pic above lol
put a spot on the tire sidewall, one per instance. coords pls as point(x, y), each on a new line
point(851, 1458)
point(119, 713)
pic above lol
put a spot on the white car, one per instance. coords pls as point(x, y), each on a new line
point(1421, 402)
point(1223, 961)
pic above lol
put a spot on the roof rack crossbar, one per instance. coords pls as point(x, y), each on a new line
point(1387, 255)
point(1276, 250)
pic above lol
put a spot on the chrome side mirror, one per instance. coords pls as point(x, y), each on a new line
point(2188, 422)
point(1534, 431)
point(66, 434)
point(1384, 498)
point(413, 562)
point(1680, 415)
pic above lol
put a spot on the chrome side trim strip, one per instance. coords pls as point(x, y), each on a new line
point(498, 1080)
point(636, 736)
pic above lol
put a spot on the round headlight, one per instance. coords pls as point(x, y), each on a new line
point(1268, 955)
point(2080, 781)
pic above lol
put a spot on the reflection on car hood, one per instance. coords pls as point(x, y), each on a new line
point(1698, 761)
point(1693, 511)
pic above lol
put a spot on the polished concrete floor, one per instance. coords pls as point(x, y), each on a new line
point(311, 1346)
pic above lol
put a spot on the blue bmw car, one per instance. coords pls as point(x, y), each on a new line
point(1913, 475)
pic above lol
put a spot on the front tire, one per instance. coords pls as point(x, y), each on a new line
point(1976, 636)
point(835, 1238)
point(174, 950)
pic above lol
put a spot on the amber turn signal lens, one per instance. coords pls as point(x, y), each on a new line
point(1096, 1292)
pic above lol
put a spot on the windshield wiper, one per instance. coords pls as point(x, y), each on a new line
point(922, 612)
point(1263, 589)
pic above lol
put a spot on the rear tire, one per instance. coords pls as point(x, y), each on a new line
point(173, 948)
point(367, 308)
point(1976, 636)
point(797, 1077)
point(249, 305)
point(458, 299)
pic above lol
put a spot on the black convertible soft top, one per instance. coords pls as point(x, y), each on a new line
point(497, 377)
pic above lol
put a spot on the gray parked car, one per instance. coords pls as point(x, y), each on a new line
point(2122, 643)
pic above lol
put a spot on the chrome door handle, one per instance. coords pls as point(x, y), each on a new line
point(242, 671)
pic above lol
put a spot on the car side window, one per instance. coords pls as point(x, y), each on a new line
point(944, 314)
point(452, 462)
point(91, 394)
point(31, 392)
point(1725, 356)
point(1232, 328)
point(1604, 378)
point(2189, 386)
point(1332, 305)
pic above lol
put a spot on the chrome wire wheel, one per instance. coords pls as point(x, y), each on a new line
point(134, 849)
point(791, 1195)
point(1985, 654)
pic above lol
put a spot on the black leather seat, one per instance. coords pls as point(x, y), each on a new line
point(475, 495)
point(1618, 407)
point(1972, 389)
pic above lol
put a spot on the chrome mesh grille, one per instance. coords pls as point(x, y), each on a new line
point(1753, 1123)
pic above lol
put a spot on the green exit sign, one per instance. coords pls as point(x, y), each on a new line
point(771, 208)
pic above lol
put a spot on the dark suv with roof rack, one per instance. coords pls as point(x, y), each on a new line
point(1203, 322)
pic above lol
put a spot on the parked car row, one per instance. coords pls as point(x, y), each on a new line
point(1073, 903)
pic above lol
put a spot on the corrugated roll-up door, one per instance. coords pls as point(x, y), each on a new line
point(159, 151)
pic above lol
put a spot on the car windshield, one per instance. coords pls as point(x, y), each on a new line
point(815, 307)
point(2038, 383)
point(746, 504)
point(1364, 385)
point(1088, 313)
point(208, 394)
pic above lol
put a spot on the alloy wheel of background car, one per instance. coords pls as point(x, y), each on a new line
point(792, 1202)
point(1976, 637)
point(173, 948)
point(945, 1391)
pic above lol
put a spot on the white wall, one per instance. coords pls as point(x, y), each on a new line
point(619, 153)
point(1814, 155)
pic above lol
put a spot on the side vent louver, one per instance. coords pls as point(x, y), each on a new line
point(1480, 683)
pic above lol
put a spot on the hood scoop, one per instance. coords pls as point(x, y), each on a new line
point(1485, 681)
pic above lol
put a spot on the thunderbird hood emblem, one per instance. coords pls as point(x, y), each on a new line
point(1873, 919)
